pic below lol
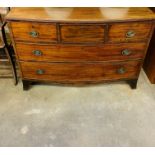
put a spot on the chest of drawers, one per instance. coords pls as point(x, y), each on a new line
point(80, 45)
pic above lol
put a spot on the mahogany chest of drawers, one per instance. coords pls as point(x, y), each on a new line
point(80, 45)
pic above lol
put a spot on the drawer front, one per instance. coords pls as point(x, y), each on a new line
point(73, 72)
point(82, 33)
point(71, 53)
point(129, 32)
point(34, 32)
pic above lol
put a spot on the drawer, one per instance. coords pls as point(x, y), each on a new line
point(82, 33)
point(128, 32)
point(71, 53)
point(72, 72)
point(34, 32)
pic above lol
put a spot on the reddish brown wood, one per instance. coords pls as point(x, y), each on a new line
point(149, 63)
point(82, 33)
point(78, 53)
point(81, 14)
point(1, 41)
point(79, 47)
point(46, 32)
point(117, 32)
point(72, 72)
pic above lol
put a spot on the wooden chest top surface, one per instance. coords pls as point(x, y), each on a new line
point(83, 14)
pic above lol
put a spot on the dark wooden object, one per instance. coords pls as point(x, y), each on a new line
point(80, 45)
point(149, 63)
point(4, 46)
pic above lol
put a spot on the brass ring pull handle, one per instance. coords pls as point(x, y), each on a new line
point(121, 70)
point(33, 34)
point(126, 52)
point(130, 34)
point(40, 71)
point(37, 52)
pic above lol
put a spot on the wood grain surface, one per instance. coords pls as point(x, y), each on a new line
point(149, 63)
point(46, 32)
point(79, 53)
point(72, 72)
point(74, 45)
point(118, 32)
point(82, 33)
point(81, 14)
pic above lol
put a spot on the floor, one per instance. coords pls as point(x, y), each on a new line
point(101, 115)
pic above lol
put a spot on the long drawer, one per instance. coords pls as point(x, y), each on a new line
point(72, 53)
point(73, 72)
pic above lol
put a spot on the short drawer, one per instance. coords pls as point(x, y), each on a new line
point(34, 32)
point(82, 33)
point(72, 72)
point(72, 53)
point(129, 32)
